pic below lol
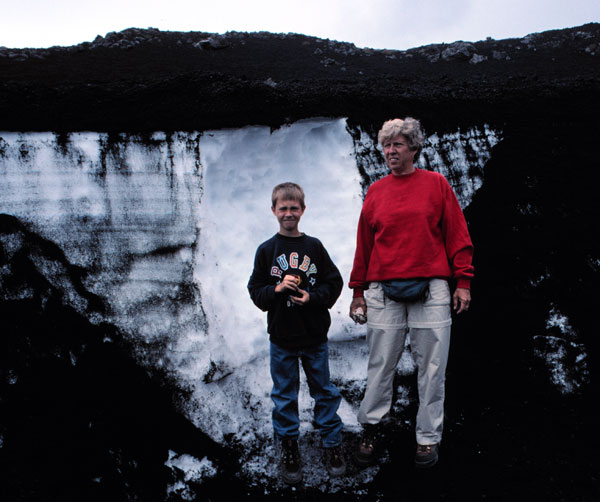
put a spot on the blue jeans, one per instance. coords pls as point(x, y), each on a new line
point(286, 383)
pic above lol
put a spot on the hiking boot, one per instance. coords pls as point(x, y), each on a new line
point(334, 461)
point(427, 455)
point(290, 468)
point(365, 453)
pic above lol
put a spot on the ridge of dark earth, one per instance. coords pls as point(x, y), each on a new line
point(146, 80)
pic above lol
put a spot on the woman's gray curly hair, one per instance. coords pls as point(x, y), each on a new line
point(409, 128)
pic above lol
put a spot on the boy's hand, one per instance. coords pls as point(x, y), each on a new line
point(288, 284)
point(300, 300)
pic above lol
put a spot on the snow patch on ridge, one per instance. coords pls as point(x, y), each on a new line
point(167, 226)
point(241, 167)
point(562, 353)
point(460, 157)
point(188, 469)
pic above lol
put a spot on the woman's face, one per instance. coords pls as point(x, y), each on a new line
point(398, 155)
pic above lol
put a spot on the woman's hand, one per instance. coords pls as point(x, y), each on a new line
point(358, 303)
point(461, 299)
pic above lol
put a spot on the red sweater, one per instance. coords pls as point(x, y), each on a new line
point(411, 226)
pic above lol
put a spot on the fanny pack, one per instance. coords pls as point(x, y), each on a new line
point(406, 290)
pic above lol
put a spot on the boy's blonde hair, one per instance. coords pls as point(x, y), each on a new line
point(288, 191)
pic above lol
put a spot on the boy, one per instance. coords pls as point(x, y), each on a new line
point(296, 282)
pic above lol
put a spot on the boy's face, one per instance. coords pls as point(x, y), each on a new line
point(288, 213)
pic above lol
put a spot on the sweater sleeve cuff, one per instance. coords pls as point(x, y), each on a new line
point(358, 293)
point(463, 283)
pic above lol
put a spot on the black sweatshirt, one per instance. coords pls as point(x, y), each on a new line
point(290, 325)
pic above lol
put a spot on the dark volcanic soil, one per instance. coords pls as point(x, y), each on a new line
point(147, 80)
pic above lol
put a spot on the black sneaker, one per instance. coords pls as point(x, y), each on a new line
point(290, 468)
point(427, 455)
point(334, 461)
point(366, 449)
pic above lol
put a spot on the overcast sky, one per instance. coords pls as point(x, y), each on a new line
point(380, 24)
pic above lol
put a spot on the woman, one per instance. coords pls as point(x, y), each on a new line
point(411, 233)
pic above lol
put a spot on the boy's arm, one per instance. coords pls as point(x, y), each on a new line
point(259, 287)
point(330, 283)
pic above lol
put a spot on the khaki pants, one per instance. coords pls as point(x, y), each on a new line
point(429, 323)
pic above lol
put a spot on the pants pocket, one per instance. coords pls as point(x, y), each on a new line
point(374, 296)
point(439, 293)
